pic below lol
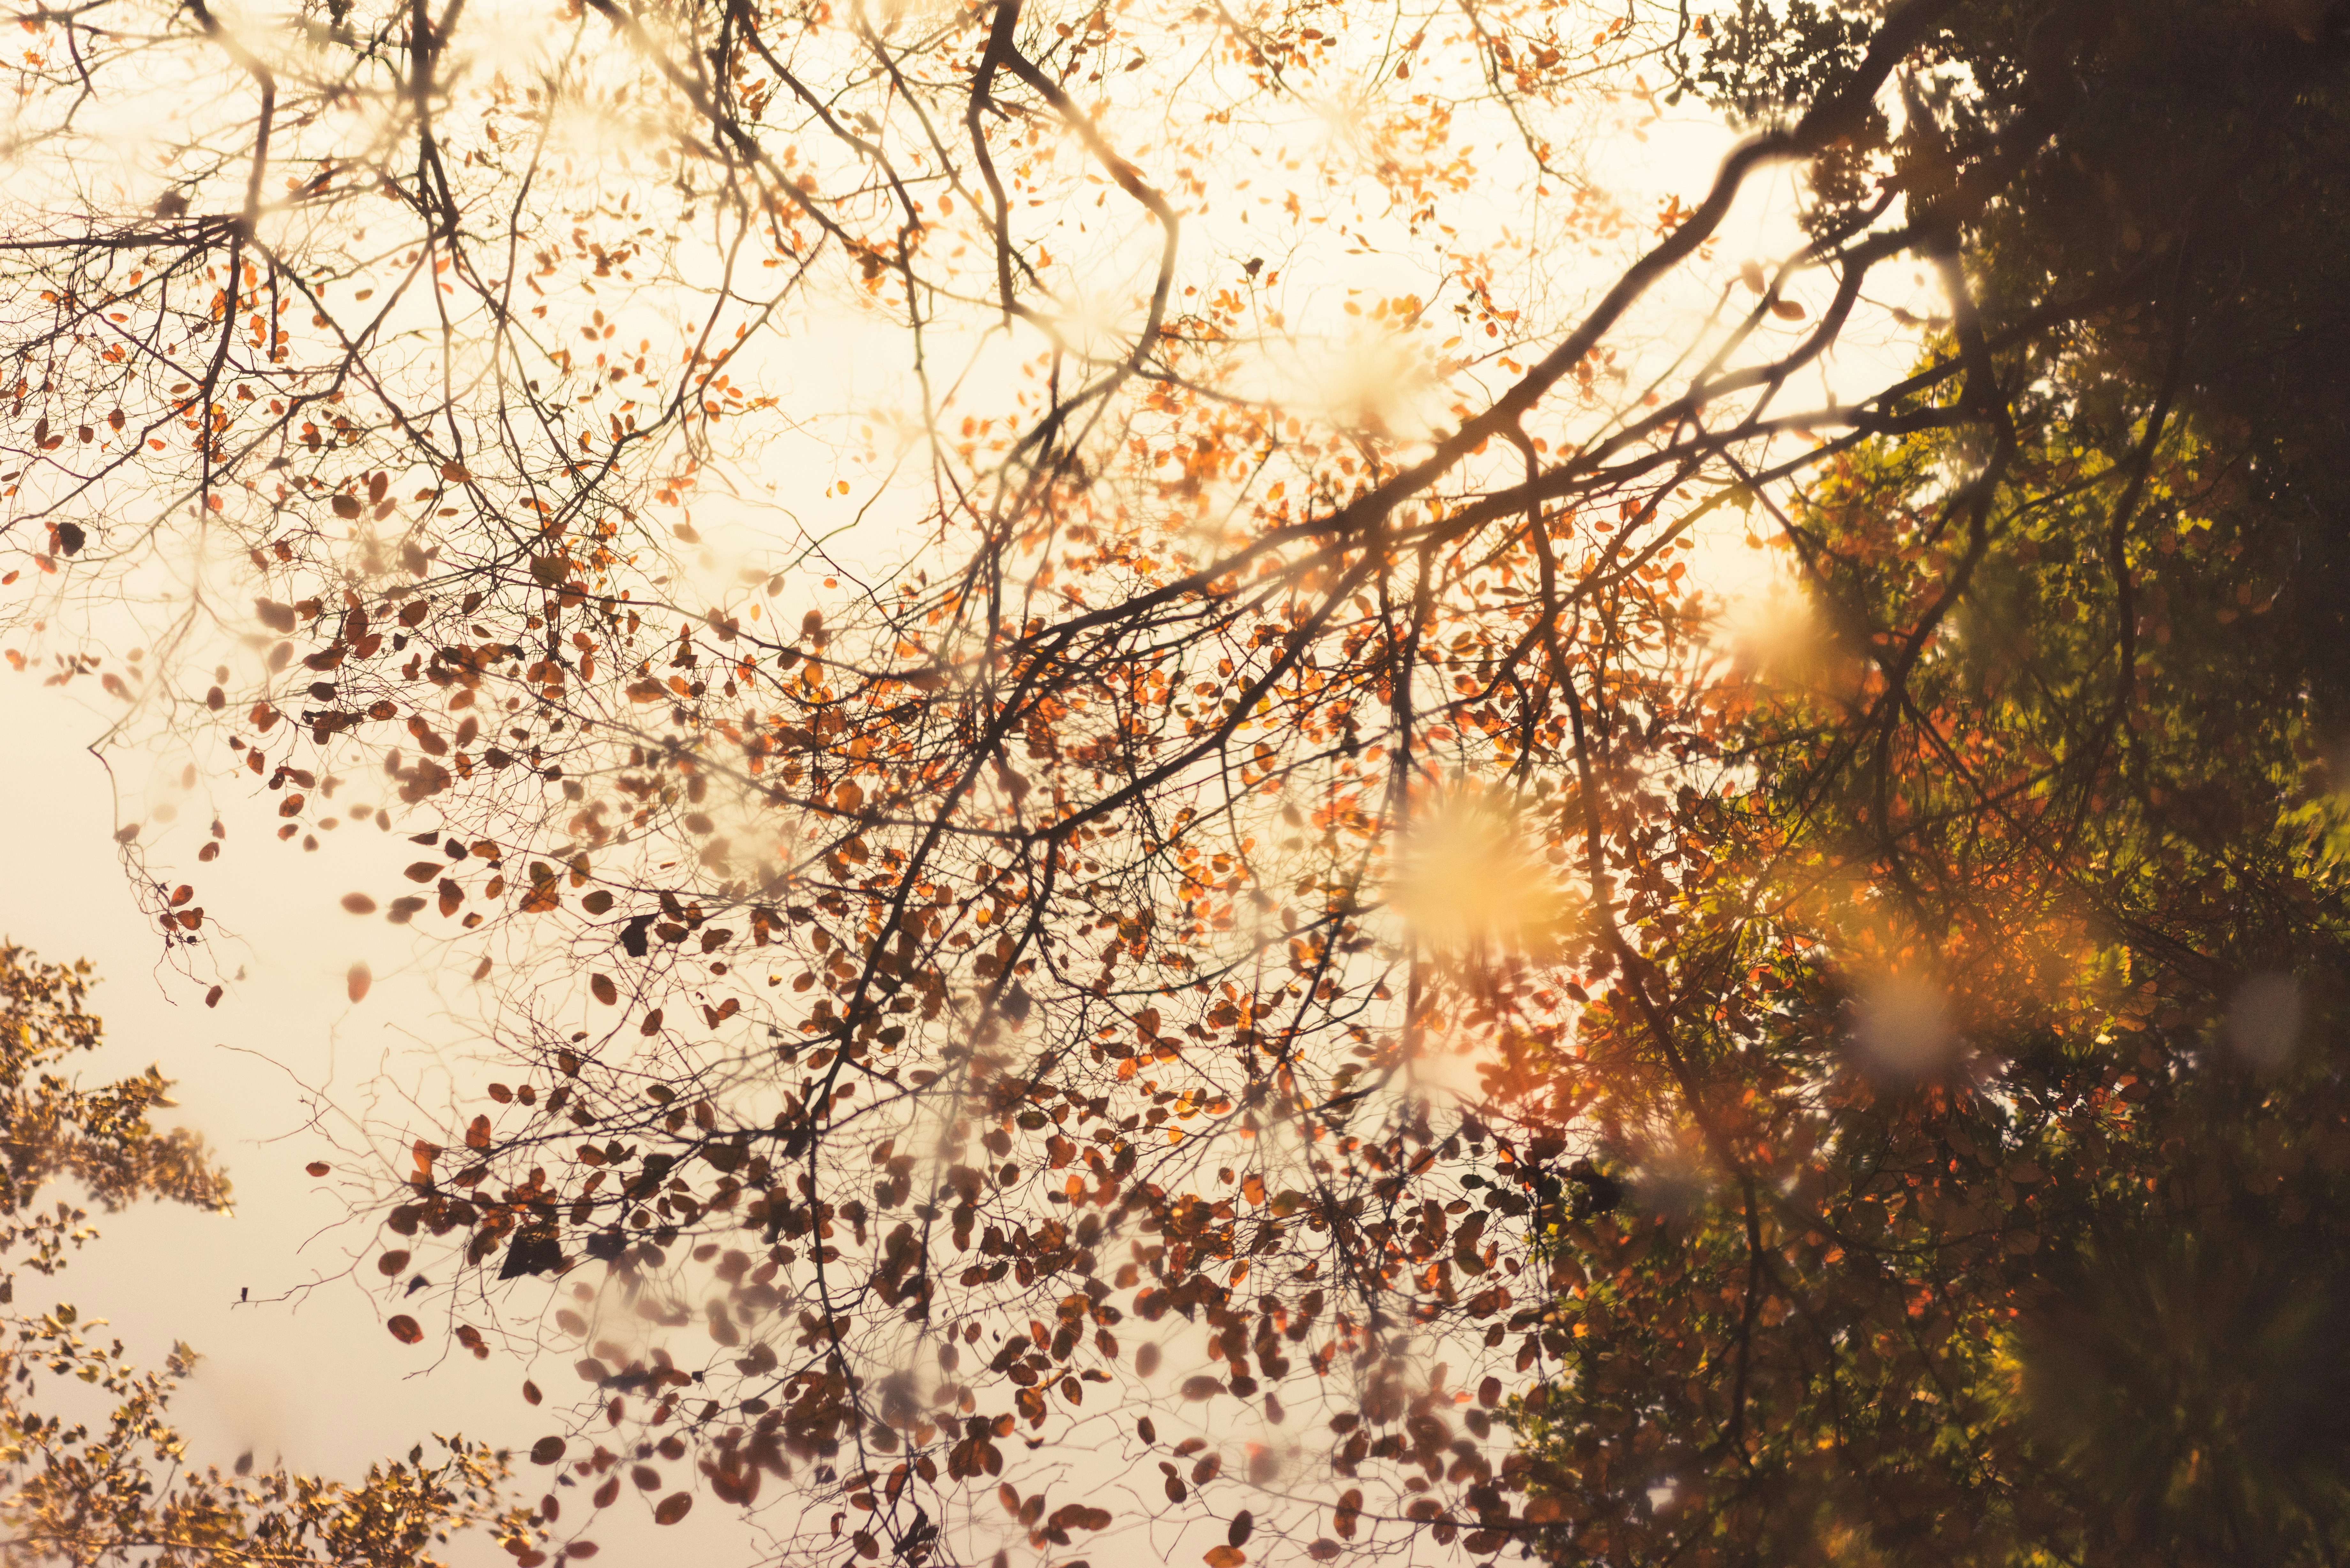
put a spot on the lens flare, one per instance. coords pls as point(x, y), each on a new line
point(2264, 1019)
point(1469, 879)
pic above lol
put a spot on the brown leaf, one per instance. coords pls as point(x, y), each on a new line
point(1202, 1387)
point(673, 1507)
point(358, 903)
point(1786, 310)
point(404, 1329)
point(546, 1450)
point(606, 992)
point(356, 983)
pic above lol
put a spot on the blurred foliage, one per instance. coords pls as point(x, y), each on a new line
point(1987, 1148)
point(122, 1489)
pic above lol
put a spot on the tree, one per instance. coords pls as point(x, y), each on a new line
point(2004, 1025)
point(125, 1490)
point(1077, 904)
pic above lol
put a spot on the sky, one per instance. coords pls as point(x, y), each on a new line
point(282, 1299)
point(304, 1371)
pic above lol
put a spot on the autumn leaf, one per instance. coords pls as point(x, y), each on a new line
point(1195, 765)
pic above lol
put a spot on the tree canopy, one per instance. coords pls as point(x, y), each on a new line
point(1064, 670)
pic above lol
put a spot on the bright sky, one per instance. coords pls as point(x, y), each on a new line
point(305, 1370)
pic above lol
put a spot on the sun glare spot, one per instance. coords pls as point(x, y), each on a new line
point(1469, 879)
point(1902, 1026)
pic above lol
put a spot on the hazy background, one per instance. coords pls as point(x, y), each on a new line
point(286, 1066)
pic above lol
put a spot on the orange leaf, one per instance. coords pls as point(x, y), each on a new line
point(356, 983)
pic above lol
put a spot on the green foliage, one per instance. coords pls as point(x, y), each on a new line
point(1762, 62)
point(1994, 1145)
point(1989, 1097)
